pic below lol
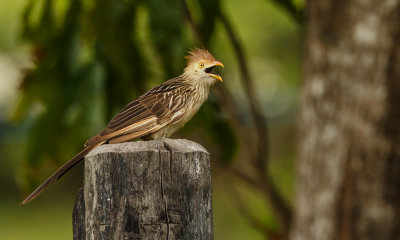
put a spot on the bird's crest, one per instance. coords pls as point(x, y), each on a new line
point(199, 54)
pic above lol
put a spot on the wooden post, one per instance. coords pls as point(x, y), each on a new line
point(158, 189)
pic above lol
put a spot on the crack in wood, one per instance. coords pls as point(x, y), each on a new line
point(163, 194)
point(168, 148)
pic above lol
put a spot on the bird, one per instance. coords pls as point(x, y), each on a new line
point(156, 114)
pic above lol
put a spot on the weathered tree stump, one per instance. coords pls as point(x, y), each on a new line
point(157, 189)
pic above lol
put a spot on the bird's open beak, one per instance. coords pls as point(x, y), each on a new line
point(218, 63)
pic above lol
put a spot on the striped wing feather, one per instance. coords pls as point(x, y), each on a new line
point(146, 114)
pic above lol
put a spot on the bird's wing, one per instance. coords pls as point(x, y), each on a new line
point(147, 114)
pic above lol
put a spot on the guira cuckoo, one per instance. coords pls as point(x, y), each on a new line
point(156, 114)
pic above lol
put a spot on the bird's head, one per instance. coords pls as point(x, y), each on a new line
point(201, 66)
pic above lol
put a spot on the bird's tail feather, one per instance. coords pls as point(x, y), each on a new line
point(61, 171)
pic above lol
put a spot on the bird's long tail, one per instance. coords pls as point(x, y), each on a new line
point(61, 171)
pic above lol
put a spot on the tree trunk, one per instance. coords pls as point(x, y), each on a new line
point(348, 184)
point(146, 190)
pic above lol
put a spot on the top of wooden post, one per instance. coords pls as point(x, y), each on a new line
point(159, 189)
point(180, 145)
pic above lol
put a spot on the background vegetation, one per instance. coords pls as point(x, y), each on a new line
point(69, 66)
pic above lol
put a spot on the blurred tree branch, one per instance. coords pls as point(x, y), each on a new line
point(281, 209)
point(297, 14)
point(260, 159)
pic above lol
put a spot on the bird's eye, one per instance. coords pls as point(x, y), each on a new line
point(201, 65)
